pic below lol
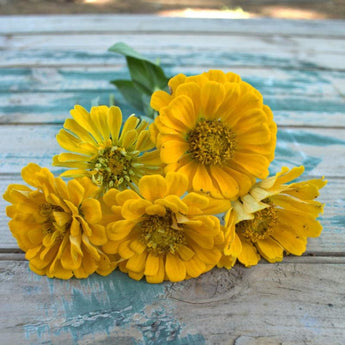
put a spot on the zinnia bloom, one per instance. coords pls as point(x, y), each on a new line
point(231, 246)
point(215, 129)
point(275, 217)
point(111, 156)
point(161, 236)
point(57, 225)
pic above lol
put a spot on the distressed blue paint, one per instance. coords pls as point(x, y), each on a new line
point(104, 305)
point(180, 58)
point(307, 138)
point(338, 220)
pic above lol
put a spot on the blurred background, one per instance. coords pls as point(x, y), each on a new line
point(290, 9)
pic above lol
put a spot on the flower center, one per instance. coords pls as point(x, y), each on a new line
point(115, 167)
point(211, 143)
point(162, 235)
point(261, 226)
point(49, 226)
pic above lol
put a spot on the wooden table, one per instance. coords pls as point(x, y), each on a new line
point(48, 64)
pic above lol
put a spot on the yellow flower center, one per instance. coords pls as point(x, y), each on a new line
point(162, 234)
point(49, 226)
point(211, 142)
point(260, 227)
point(115, 167)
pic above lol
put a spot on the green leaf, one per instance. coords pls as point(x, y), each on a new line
point(130, 93)
point(147, 77)
point(125, 50)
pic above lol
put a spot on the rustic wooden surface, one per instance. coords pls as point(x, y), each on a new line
point(48, 64)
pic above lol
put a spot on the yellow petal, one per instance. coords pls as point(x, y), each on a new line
point(125, 251)
point(209, 257)
point(159, 276)
point(212, 95)
point(196, 200)
point(62, 218)
point(79, 131)
point(125, 195)
point(249, 256)
point(137, 245)
point(255, 164)
point(155, 209)
point(152, 265)
point(226, 183)
point(195, 267)
point(29, 174)
point(109, 197)
point(202, 182)
point(137, 263)
point(181, 109)
point(70, 260)
point(192, 91)
point(160, 99)
point(270, 250)
point(301, 224)
point(174, 203)
point(176, 81)
point(206, 242)
point(291, 242)
point(153, 187)
point(172, 150)
point(129, 138)
point(114, 122)
point(144, 142)
point(185, 253)
point(130, 123)
point(76, 192)
point(175, 268)
point(177, 183)
point(134, 208)
point(99, 116)
point(91, 209)
point(216, 75)
point(120, 229)
point(98, 236)
point(82, 117)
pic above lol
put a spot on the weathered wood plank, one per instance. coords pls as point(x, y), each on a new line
point(100, 42)
point(277, 82)
point(91, 49)
point(148, 24)
point(53, 107)
point(240, 306)
point(331, 242)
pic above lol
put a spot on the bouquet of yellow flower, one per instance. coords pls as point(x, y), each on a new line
point(147, 194)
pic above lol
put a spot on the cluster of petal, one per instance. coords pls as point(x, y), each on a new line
point(275, 217)
point(163, 233)
point(58, 225)
point(112, 155)
point(215, 129)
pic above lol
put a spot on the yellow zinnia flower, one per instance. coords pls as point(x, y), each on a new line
point(215, 129)
point(111, 156)
point(58, 225)
point(161, 236)
point(275, 217)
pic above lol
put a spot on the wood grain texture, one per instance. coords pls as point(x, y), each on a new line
point(49, 64)
point(153, 24)
point(291, 303)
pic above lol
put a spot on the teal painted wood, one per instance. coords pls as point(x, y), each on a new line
point(153, 24)
point(209, 59)
point(221, 307)
point(41, 95)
